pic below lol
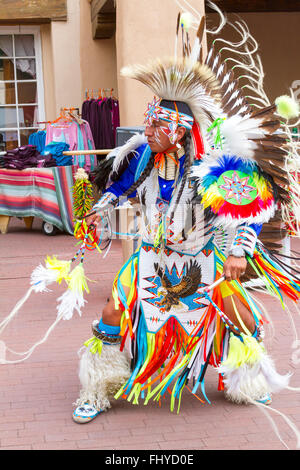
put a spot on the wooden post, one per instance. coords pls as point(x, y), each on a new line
point(129, 222)
point(28, 222)
point(125, 219)
point(4, 221)
point(87, 152)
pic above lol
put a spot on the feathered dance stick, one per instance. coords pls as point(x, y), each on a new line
point(57, 271)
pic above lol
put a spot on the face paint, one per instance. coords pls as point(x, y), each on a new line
point(175, 119)
point(157, 135)
point(165, 130)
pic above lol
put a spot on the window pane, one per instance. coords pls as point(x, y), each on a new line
point(27, 93)
point(24, 135)
point(8, 140)
point(6, 46)
point(24, 45)
point(7, 93)
point(8, 117)
point(28, 116)
point(7, 71)
point(26, 69)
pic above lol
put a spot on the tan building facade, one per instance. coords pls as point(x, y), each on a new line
point(79, 45)
point(278, 36)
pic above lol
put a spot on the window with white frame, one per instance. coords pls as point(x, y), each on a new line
point(21, 97)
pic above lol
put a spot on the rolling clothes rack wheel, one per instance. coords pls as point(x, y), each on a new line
point(49, 229)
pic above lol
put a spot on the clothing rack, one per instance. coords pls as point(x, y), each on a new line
point(91, 93)
point(73, 113)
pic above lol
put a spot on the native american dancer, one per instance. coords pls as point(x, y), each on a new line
point(209, 172)
point(217, 176)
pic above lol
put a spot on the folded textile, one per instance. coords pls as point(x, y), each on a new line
point(26, 156)
point(56, 149)
point(21, 157)
point(46, 161)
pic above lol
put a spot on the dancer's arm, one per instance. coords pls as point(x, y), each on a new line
point(243, 243)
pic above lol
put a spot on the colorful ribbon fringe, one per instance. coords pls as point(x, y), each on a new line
point(163, 361)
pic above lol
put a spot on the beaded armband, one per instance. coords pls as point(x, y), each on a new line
point(104, 203)
point(243, 242)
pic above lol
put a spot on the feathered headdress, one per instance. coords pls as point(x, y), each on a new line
point(226, 120)
point(182, 80)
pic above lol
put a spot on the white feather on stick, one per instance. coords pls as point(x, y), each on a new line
point(73, 299)
point(28, 353)
point(266, 410)
point(68, 302)
point(42, 277)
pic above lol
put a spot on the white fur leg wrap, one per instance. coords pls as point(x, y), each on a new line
point(101, 376)
point(248, 371)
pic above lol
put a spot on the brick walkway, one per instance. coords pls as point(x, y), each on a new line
point(37, 395)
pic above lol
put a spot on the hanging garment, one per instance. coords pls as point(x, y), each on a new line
point(77, 137)
point(103, 117)
point(85, 141)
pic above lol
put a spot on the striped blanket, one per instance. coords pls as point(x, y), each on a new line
point(39, 192)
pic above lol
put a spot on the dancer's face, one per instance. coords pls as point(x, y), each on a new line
point(157, 135)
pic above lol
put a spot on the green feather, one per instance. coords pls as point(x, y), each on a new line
point(287, 107)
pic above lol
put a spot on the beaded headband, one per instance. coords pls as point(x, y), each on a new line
point(155, 112)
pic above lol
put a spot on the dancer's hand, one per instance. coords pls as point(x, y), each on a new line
point(101, 209)
point(93, 219)
point(234, 267)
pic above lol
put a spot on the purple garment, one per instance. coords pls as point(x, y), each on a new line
point(46, 161)
point(85, 111)
point(105, 124)
point(95, 122)
point(103, 118)
point(109, 139)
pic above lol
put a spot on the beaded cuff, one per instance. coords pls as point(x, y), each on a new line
point(106, 338)
point(244, 241)
point(104, 203)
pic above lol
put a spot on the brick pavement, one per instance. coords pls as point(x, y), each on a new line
point(37, 395)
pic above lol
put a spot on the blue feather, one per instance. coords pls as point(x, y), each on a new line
point(229, 163)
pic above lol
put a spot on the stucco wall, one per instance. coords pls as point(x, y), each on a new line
point(48, 72)
point(145, 30)
point(61, 62)
point(66, 52)
point(73, 61)
point(278, 37)
point(98, 56)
